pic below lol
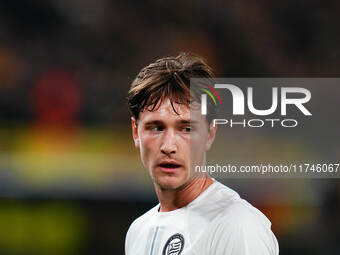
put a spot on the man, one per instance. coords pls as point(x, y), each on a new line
point(196, 215)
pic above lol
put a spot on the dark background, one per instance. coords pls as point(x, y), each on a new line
point(71, 181)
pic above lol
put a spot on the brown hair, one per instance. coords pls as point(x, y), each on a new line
point(167, 78)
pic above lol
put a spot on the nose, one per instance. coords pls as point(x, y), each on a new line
point(169, 146)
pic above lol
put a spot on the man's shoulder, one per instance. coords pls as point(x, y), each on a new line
point(232, 205)
point(136, 227)
point(240, 226)
point(144, 218)
point(237, 210)
point(241, 213)
point(227, 213)
point(217, 200)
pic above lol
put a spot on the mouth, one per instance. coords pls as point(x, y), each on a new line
point(169, 167)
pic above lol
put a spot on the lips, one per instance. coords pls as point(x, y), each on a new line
point(169, 166)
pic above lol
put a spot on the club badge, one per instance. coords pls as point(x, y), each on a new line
point(174, 245)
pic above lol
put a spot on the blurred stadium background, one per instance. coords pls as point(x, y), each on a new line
point(71, 181)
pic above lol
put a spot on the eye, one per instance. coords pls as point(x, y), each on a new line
point(187, 129)
point(156, 128)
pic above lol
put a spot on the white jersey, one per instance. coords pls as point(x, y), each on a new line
point(217, 222)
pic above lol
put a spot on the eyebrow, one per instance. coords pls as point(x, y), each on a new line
point(159, 122)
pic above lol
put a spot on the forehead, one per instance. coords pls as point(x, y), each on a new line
point(165, 112)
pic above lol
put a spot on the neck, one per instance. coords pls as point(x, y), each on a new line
point(174, 199)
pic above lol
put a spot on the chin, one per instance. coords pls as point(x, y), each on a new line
point(170, 182)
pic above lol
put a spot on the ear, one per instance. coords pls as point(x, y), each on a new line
point(135, 132)
point(211, 135)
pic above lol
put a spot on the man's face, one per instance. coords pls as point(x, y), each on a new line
point(171, 144)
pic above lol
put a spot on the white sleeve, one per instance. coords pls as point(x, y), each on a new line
point(127, 242)
point(240, 233)
point(130, 236)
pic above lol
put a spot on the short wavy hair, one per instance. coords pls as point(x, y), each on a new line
point(168, 77)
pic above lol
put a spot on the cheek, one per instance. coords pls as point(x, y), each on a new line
point(198, 147)
point(198, 142)
point(147, 149)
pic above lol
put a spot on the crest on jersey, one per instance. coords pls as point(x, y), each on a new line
point(174, 245)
